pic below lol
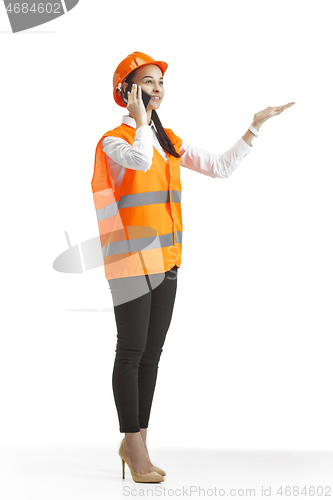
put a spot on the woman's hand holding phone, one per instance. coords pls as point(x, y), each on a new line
point(136, 107)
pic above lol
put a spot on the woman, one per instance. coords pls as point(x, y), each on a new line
point(137, 194)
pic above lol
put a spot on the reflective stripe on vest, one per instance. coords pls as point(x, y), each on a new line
point(136, 200)
point(140, 226)
point(137, 244)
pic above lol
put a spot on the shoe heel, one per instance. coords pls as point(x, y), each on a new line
point(123, 461)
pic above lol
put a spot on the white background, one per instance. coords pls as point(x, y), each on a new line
point(247, 361)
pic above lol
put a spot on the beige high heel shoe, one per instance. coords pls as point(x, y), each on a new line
point(153, 468)
point(158, 470)
point(149, 477)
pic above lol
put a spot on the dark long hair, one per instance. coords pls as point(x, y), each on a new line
point(161, 135)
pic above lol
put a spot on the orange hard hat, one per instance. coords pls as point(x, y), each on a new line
point(129, 64)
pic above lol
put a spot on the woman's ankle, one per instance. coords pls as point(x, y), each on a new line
point(143, 432)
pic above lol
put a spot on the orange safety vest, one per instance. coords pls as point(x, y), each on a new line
point(140, 223)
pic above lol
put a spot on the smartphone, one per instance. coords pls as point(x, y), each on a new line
point(145, 96)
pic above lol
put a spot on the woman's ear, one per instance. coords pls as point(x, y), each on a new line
point(121, 87)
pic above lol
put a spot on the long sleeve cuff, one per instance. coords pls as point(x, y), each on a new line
point(143, 140)
point(136, 157)
point(247, 147)
point(227, 163)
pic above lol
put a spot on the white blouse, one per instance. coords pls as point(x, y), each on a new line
point(121, 155)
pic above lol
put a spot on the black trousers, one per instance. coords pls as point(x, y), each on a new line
point(143, 307)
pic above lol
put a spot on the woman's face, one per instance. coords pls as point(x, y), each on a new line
point(150, 79)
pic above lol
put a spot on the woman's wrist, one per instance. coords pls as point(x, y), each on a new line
point(248, 136)
point(256, 124)
point(141, 121)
